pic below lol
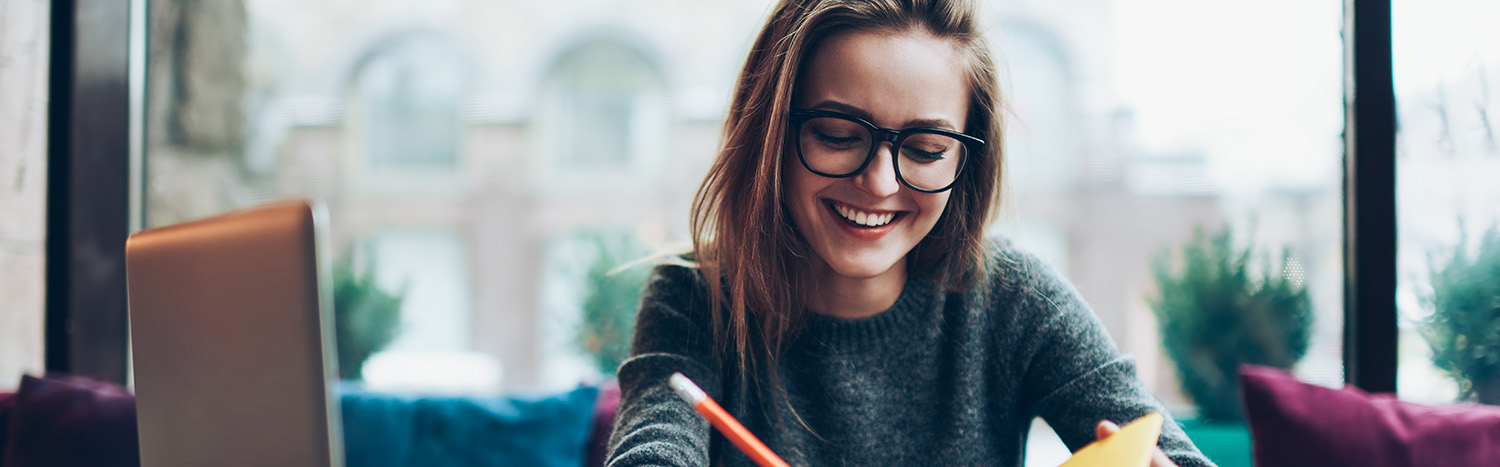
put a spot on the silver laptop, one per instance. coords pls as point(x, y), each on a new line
point(232, 342)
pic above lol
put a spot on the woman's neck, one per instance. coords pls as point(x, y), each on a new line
point(846, 297)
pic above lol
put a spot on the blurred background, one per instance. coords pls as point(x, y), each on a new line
point(480, 153)
point(491, 168)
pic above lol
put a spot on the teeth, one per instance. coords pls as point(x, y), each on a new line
point(864, 218)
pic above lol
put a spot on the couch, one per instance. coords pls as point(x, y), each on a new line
point(71, 421)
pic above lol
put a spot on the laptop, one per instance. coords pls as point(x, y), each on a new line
point(232, 342)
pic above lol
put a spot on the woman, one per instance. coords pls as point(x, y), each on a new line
point(842, 301)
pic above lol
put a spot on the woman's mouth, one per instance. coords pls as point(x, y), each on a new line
point(861, 218)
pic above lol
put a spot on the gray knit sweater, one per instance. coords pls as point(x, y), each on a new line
point(940, 379)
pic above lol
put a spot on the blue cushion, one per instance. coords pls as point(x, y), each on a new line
point(382, 430)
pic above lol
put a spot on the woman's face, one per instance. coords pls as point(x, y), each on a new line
point(894, 80)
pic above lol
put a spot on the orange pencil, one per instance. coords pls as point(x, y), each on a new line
point(726, 424)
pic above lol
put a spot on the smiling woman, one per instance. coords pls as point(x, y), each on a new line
point(842, 299)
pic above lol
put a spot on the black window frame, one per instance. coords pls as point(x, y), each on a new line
point(88, 188)
point(1370, 328)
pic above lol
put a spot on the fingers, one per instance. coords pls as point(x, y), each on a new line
point(1160, 459)
point(1105, 428)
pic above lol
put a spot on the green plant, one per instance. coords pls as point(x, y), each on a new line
point(613, 291)
point(1215, 315)
point(366, 316)
point(1463, 329)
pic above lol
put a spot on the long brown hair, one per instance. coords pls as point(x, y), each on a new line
point(755, 264)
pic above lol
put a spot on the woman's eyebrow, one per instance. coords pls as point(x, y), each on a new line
point(837, 106)
point(931, 123)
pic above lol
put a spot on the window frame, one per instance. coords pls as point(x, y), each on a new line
point(89, 146)
point(1370, 328)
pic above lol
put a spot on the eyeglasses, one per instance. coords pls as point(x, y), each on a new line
point(838, 145)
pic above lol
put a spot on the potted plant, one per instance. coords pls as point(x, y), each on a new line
point(613, 286)
point(1463, 329)
point(1216, 314)
point(366, 316)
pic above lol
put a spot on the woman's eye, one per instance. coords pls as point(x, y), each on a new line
point(836, 142)
point(932, 154)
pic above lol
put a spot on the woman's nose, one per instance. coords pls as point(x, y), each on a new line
point(879, 178)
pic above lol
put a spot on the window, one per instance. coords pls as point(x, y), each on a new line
point(1133, 124)
point(603, 119)
point(1447, 78)
point(430, 267)
point(433, 349)
point(1043, 102)
point(454, 145)
point(23, 188)
point(404, 106)
point(591, 285)
point(1128, 133)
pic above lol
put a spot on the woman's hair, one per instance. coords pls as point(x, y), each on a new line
point(755, 263)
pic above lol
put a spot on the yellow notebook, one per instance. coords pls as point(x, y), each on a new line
point(1131, 447)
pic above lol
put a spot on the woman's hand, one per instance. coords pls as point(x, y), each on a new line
point(1107, 428)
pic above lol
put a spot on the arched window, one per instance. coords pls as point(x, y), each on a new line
point(1041, 144)
point(404, 105)
point(602, 114)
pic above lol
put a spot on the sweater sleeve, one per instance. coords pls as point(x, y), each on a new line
point(653, 427)
point(1077, 376)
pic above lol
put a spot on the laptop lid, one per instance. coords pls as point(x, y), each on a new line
point(232, 343)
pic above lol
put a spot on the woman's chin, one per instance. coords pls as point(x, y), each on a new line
point(864, 268)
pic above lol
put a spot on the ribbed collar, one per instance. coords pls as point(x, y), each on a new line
point(912, 308)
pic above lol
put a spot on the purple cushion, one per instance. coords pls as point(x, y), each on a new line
point(603, 423)
point(7, 402)
point(64, 422)
point(1297, 424)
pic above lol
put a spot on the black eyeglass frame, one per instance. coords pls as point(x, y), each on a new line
point(972, 145)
